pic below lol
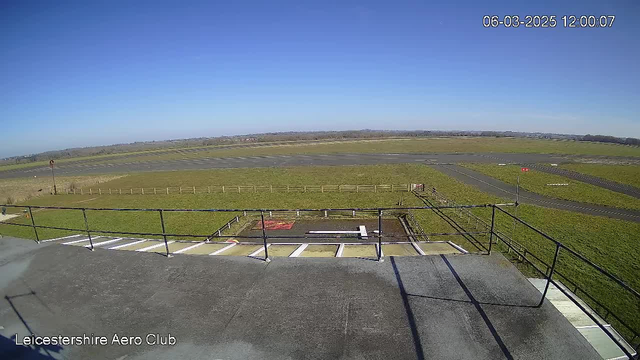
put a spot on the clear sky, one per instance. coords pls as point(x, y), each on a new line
point(95, 73)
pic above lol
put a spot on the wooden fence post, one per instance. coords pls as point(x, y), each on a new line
point(154, 191)
point(375, 188)
point(209, 189)
point(322, 188)
point(339, 188)
point(271, 188)
point(287, 188)
point(222, 188)
point(357, 188)
point(74, 191)
point(81, 191)
point(109, 191)
point(131, 191)
point(180, 189)
point(99, 191)
point(254, 189)
point(142, 191)
point(194, 189)
point(120, 191)
point(167, 191)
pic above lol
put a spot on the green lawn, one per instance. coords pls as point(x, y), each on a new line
point(612, 244)
point(625, 174)
point(536, 181)
point(411, 145)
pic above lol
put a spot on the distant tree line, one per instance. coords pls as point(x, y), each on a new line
point(298, 136)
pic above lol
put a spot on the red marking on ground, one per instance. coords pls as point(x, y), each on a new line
point(274, 225)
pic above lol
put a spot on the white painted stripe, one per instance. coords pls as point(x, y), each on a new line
point(418, 249)
point(255, 253)
point(458, 247)
point(155, 246)
point(299, 250)
point(340, 250)
point(189, 248)
point(104, 242)
point(223, 249)
point(62, 238)
point(128, 244)
point(334, 232)
point(81, 240)
point(592, 326)
point(363, 232)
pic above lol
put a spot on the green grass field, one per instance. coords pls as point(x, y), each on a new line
point(624, 174)
point(413, 145)
point(536, 181)
point(612, 244)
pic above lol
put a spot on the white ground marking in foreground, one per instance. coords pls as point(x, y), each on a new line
point(128, 244)
point(255, 253)
point(155, 246)
point(418, 249)
point(223, 249)
point(340, 250)
point(103, 242)
point(299, 250)
point(458, 247)
point(61, 238)
point(81, 240)
point(362, 232)
point(189, 248)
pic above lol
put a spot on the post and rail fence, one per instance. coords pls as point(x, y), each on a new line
point(632, 335)
point(211, 189)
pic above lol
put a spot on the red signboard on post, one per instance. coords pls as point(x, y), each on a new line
point(525, 169)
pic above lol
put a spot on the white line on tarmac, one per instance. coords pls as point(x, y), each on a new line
point(81, 240)
point(255, 253)
point(299, 250)
point(62, 238)
point(155, 246)
point(104, 242)
point(223, 249)
point(418, 249)
point(340, 250)
point(123, 245)
point(458, 247)
point(189, 248)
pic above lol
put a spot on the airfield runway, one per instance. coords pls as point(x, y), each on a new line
point(443, 162)
point(281, 161)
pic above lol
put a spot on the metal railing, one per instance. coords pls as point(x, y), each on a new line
point(548, 273)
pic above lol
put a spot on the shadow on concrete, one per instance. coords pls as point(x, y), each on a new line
point(8, 347)
point(412, 321)
point(478, 307)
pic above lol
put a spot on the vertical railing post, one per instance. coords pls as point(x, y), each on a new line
point(264, 238)
point(164, 234)
point(86, 225)
point(33, 224)
point(553, 267)
point(380, 259)
point(493, 218)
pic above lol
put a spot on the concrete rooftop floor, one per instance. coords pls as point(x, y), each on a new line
point(420, 307)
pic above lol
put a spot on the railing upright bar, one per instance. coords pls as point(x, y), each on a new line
point(493, 219)
point(264, 238)
point(33, 224)
point(553, 267)
point(380, 258)
point(86, 225)
point(164, 234)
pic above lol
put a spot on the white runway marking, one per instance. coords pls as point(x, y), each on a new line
point(62, 238)
point(255, 253)
point(81, 240)
point(155, 246)
point(123, 245)
point(103, 242)
point(458, 247)
point(299, 250)
point(189, 248)
point(340, 250)
point(223, 249)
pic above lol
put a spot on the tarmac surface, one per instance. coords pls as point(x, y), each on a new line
point(280, 161)
point(499, 188)
point(440, 307)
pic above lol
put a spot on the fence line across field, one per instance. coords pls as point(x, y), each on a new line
point(243, 189)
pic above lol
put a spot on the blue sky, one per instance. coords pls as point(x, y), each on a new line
point(96, 73)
